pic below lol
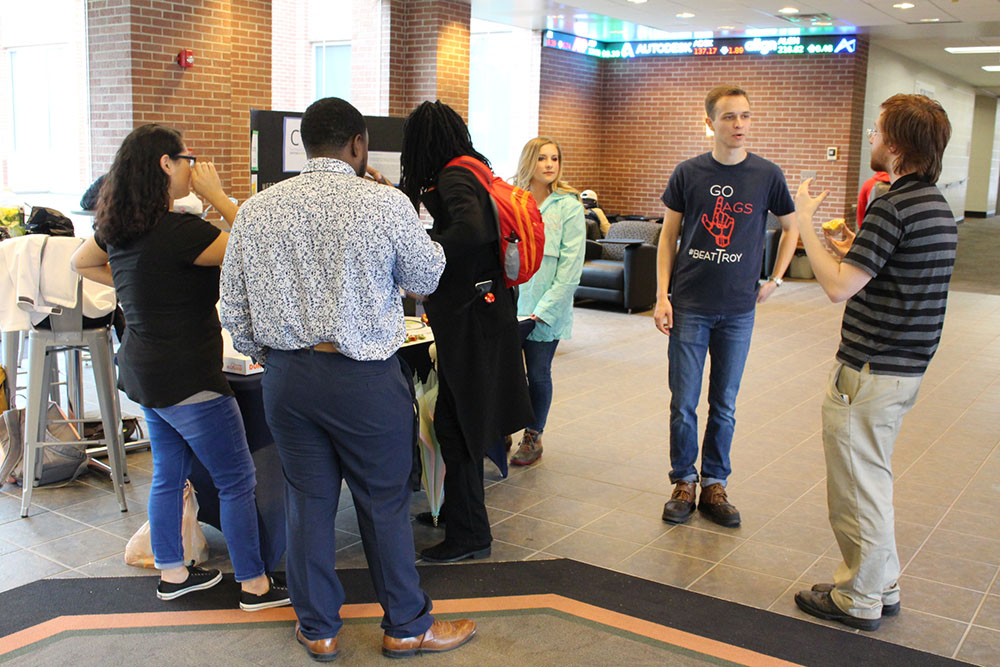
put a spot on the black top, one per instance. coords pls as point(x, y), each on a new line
point(483, 394)
point(722, 235)
point(172, 347)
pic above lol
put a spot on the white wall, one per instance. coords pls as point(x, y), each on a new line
point(984, 160)
point(504, 68)
point(890, 73)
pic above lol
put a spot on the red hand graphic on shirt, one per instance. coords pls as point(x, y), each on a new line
point(720, 225)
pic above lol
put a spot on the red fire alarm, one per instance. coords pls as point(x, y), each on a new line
point(185, 58)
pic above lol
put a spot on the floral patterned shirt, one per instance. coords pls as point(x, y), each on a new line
point(321, 258)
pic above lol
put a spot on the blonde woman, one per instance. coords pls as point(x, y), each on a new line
point(548, 296)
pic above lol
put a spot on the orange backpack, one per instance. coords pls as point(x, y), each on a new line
point(519, 223)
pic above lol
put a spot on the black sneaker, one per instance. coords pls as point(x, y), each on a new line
point(276, 596)
point(198, 580)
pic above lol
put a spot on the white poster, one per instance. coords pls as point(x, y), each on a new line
point(254, 150)
point(293, 153)
point(387, 163)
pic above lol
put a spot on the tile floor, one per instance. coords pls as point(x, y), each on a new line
point(597, 494)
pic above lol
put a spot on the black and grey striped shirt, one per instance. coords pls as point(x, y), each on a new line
point(907, 244)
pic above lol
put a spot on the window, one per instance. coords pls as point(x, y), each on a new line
point(333, 70)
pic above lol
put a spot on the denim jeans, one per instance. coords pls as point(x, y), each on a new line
point(538, 364)
point(726, 339)
point(213, 431)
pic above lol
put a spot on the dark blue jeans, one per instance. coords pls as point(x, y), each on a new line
point(213, 431)
point(538, 365)
point(726, 339)
point(337, 419)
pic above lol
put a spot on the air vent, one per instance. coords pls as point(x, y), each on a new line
point(804, 19)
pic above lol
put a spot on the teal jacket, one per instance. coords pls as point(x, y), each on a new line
point(549, 293)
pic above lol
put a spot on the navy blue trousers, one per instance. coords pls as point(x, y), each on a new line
point(334, 418)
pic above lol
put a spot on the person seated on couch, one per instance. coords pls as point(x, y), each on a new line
point(594, 212)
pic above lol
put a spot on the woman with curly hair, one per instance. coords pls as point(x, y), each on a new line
point(548, 296)
point(165, 268)
point(482, 395)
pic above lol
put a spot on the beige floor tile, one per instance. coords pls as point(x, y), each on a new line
point(950, 570)
point(698, 543)
point(22, 567)
point(513, 498)
point(114, 566)
point(564, 511)
point(32, 530)
point(646, 504)
point(664, 567)
point(811, 539)
point(504, 551)
point(769, 559)
point(593, 548)
point(10, 508)
point(922, 631)
point(968, 547)
point(989, 614)
point(7, 547)
point(530, 533)
point(738, 585)
point(981, 647)
point(916, 512)
point(97, 511)
point(961, 521)
point(56, 497)
point(81, 548)
point(126, 528)
point(939, 599)
point(630, 527)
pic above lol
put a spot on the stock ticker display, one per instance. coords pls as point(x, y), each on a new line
point(710, 47)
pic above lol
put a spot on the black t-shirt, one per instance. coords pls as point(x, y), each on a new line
point(722, 234)
point(172, 347)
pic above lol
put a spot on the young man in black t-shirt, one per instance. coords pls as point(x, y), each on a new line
point(717, 205)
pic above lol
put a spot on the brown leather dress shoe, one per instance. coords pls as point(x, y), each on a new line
point(887, 609)
point(440, 637)
point(715, 506)
point(320, 650)
point(680, 507)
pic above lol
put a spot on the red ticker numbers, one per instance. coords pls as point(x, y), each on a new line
point(705, 50)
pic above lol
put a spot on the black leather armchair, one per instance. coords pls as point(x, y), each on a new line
point(621, 268)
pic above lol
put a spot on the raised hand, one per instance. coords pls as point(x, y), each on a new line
point(721, 223)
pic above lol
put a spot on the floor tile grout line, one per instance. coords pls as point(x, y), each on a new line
point(968, 629)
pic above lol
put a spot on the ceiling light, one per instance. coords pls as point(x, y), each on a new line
point(991, 68)
point(685, 15)
point(929, 20)
point(972, 49)
point(788, 10)
point(637, 2)
point(903, 5)
point(726, 27)
point(822, 23)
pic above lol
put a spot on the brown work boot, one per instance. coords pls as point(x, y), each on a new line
point(530, 449)
point(440, 637)
point(714, 505)
point(681, 504)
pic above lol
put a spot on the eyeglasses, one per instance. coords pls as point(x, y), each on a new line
point(190, 158)
point(871, 132)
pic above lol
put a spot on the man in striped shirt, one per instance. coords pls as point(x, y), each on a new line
point(895, 281)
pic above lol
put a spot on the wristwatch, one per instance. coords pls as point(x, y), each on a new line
point(777, 281)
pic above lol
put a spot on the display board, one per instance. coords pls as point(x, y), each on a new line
point(276, 150)
point(701, 47)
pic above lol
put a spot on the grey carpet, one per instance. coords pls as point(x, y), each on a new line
point(977, 262)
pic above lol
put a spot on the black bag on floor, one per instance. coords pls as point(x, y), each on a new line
point(48, 221)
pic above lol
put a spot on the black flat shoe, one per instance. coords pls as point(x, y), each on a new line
point(445, 552)
point(427, 519)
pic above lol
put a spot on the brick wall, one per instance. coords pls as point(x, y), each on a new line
point(209, 103)
point(570, 111)
point(291, 68)
point(651, 111)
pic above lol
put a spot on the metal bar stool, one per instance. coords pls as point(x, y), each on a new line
point(67, 333)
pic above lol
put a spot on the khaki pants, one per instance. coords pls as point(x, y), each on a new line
point(862, 413)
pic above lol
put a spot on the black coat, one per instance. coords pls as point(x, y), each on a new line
point(483, 393)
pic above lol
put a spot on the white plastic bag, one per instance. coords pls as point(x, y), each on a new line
point(139, 551)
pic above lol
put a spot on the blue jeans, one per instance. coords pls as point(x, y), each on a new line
point(726, 338)
point(213, 431)
point(538, 364)
point(334, 418)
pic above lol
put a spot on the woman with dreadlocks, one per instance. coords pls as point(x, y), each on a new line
point(483, 394)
